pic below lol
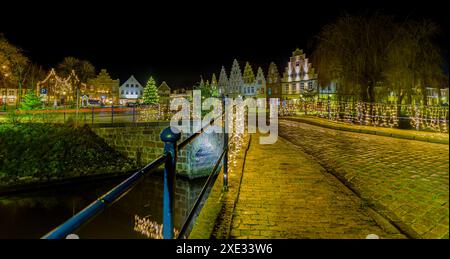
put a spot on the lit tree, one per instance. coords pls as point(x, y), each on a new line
point(352, 50)
point(206, 88)
point(31, 101)
point(414, 61)
point(362, 52)
point(214, 89)
point(150, 95)
point(83, 68)
point(14, 65)
point(35, 74)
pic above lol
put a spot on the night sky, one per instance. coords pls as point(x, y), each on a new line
point(178, 42)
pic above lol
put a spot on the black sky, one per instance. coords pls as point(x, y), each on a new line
point(177, 42)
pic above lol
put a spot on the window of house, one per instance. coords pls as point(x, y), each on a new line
point(122, 92)
point(127, 92)
point(127, 85)
point(253, 89)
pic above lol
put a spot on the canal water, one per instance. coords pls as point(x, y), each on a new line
point(137, 215)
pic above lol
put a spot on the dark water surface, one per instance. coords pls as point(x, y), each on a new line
point(136, 215)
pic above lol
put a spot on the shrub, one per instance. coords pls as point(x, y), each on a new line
point(48, 151)
point(12, 117)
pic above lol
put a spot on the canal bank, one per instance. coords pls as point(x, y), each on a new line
point(136, 215)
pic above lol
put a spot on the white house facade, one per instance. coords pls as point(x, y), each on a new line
point(130, 90)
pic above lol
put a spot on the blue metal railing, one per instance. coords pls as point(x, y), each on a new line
point(169, 158)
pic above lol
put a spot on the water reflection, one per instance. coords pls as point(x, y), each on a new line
point(32, 215)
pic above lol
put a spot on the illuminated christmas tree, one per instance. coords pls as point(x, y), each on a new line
point(31, 101)
point(150, 95)
point(213, 85)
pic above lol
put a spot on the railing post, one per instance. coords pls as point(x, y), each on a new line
point(112, 113)
point(329, 108)
point(170, 149)
point(134, 110)
point(225, 144)
point(417, 115)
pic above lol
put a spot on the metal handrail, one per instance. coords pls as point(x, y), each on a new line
point(198, 133)
point(82, 217)
point(169, 158)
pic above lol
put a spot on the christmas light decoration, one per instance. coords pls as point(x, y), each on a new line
point(431, 118)
point(150, 95)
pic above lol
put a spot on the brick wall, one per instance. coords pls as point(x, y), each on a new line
point(141, 142)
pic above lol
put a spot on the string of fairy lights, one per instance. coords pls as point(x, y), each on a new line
point(154, 230)
point(420, 117)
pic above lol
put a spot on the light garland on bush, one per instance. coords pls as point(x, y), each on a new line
point(431, 118)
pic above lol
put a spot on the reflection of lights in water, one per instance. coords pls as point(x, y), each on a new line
point(148, 228)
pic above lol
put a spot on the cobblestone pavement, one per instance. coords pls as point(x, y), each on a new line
point(406, 181)
point(286, 194)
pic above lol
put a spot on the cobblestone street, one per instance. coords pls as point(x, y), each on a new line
point(406, 181)
point(286, 194)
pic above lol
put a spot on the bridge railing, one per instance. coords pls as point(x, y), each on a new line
point(169, 159)
point(95, 115)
